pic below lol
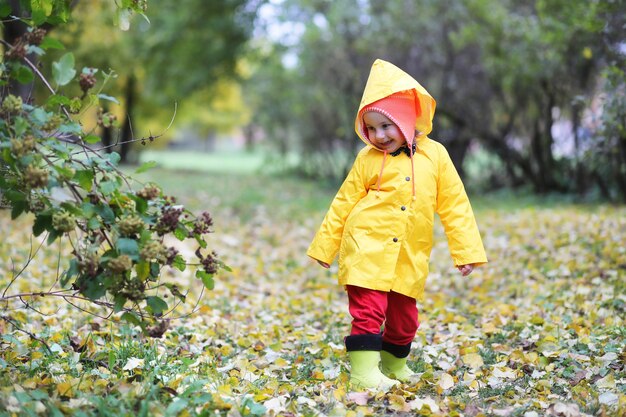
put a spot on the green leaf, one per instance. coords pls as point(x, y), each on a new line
point(120, 300)
point(42, 223)
point(141, 205)
point(57, 100)
point(91, 139)
point(114, 158)
point(207, 279)
point(108, 187)
point(203, 243)
point(5, 9)
point(132, 318)
point(6, 155)
point(88, 209)
point(155, 269)
point(108, 98)
point(63, 70)
point(23, 74)
point(145, 166)
point(40, 116)
point(21, 125)
point(72, 208)
point(51, 43)
point(18, 207)
point(71, 272)
point(94, 223)
point(14, 196)
point(143, 270)
point(84, 178)
point(127, 246)
point(64, 171)
point(53, 235)
point(71, 127)
point(181, 233)
point(179, 263)
point(177, 406)
point(255, 408)
point(224, 266)
point(156, 304)
point(94, 288)
point(106, 213)
point(39, 16)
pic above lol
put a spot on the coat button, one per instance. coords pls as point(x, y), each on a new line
point(395, 239)
point(408, 178)
point(403, 208)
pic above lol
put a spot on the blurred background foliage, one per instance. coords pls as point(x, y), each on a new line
point(530, 94)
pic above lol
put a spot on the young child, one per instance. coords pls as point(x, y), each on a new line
point(381, 224)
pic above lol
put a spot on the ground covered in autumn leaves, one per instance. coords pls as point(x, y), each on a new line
point(539, 331)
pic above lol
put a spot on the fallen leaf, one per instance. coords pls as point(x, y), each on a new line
point(446, 381)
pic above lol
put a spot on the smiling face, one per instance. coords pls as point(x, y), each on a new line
point(382, 132)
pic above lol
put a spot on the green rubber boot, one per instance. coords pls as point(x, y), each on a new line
point(365, 372)
point(396, 368)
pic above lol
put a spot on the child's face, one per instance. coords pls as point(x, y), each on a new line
point(382, 132)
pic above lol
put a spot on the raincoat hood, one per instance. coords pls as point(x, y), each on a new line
point(386, 79)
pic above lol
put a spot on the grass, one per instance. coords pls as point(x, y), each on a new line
point(223, 174)
point(277, 300)
point(244, 194)
point(223, 162)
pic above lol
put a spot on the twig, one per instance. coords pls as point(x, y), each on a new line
point(31, 335)
point(31, 256)
point(193, 310)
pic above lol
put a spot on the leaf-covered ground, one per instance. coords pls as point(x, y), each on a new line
point(539, 331)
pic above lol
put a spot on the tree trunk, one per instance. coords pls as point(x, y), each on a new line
point(13, 30)
point(621, 167)
point(249, 134)
point(578, 167)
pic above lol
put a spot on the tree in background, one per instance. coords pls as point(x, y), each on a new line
point(507, 75)
point(185, 60)
point(51, 169)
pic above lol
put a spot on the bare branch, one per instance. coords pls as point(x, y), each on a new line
point(32, 336)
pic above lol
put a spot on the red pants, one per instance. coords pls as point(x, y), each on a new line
point(370, 309)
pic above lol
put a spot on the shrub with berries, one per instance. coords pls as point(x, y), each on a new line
point(117, 230)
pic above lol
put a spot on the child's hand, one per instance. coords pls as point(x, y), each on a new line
point(465, 269)
point(324, 264)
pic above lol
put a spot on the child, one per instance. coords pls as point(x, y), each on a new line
point(381, 224)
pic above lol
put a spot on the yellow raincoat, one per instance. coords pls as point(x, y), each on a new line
point(384, 238)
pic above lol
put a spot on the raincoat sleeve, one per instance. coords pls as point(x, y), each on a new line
point(327, 240)
point(457, 217)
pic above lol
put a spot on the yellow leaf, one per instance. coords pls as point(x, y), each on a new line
point(30, 383)
point(606, 382)
point(473, 360)
point(175, 382)
point(506, 310)
point(339, 394)
point(280, 362)
point(100, 384)
point(65, 389)
point(468, 349)
point(317, 374)
point(489, 328)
